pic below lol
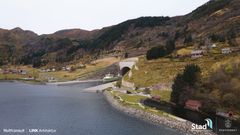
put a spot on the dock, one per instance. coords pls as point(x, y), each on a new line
point(73, 82)
point(99, 88)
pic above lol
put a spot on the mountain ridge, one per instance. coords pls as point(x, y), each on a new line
point(215, 21)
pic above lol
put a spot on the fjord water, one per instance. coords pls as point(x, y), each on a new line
point(68, 110)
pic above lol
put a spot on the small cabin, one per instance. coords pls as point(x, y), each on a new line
point(23, 72)
point(5, 71)
point(197, 53)
point(235, 49)
point(226, 50)
point(14, 71)
point(193, 105)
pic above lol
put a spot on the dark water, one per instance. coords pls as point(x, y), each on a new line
point(66, 110)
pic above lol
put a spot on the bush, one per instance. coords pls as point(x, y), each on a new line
point(156, 52)
point(188, 39)
point(170, 46)
point(217, 38)
point(146, 91)
point(119, 83)
point(37, 63)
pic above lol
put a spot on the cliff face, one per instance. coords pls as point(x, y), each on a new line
point(215, 21)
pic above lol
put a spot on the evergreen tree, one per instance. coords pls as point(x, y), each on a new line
point(184, 84)
point(156, 52)
point(170, 46)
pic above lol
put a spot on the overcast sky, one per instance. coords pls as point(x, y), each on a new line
point(48, 16)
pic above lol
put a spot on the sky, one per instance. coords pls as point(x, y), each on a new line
point(48, 16)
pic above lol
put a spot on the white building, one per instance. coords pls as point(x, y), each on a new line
point(197, 53)
point(226, 51)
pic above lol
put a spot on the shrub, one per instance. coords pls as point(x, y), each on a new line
point(119, 83)
point(170, 46)
point(156, 52)
point(188, 39)
point(217, 38)
point(146, 91)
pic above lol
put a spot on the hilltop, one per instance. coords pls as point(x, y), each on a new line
point(215, 21)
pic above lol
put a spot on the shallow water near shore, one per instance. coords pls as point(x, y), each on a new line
point(67, 110)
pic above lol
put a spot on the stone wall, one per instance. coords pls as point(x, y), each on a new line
point(180, 125)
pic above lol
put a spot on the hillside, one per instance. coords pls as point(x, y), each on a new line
point(215, 21)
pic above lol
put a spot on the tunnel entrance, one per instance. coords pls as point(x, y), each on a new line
point(125, 70)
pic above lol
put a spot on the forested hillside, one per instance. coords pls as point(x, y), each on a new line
point(215, 21)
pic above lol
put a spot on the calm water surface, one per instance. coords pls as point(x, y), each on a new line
point(68, 111)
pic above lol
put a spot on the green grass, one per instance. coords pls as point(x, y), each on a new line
point(129, 98)
point(164, 94)
point(132, 98)
point(136, 99)
point(164, 70)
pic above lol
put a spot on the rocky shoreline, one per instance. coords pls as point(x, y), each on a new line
point(183, 126)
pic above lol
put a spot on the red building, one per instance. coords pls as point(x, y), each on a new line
point(157, 98)
point(193, 105)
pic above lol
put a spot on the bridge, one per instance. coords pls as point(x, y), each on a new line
point(127, 64)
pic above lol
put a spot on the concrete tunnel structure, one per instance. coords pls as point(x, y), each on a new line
point(127, 64)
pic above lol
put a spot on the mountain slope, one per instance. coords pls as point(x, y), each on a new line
point(215, 21)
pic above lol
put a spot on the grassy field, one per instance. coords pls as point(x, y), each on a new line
point(164, 70)
point(129, 98)
point(164, 94)
point(31, 73)
point(83, 72)
point(136, 99)
point(61, 75)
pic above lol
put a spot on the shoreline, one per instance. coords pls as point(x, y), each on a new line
point(181, 125)
point(27, 82)
point(72, 82)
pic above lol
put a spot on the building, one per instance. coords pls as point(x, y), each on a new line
point(235, 49)
point(156, 98)
point(197, 53)
point(213, 46)
point(5, 71)
point(23, 72)
point(193, 105)
point(226, 50)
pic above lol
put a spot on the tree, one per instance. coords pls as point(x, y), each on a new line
point(156, 52)
point(188, 39)
point(170, 46)
point(229, 100)
point(177, 88)
point(191, 74)
point(217, 38)
point(36, 62)
point(1, 61)
point(184, 84)
point(126, 55)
